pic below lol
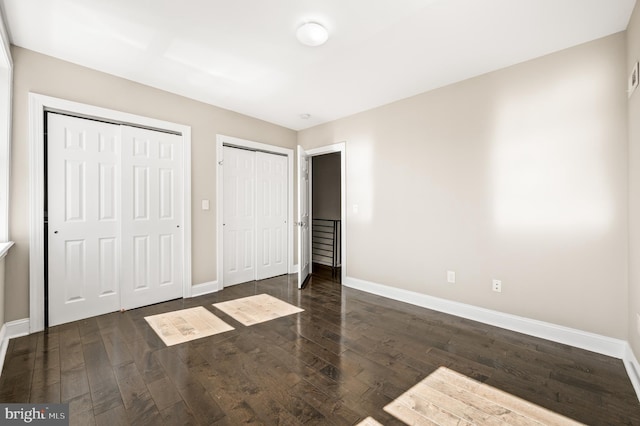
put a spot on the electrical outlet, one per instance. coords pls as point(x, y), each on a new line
point(451, 277)
point(638, 323)
point(497, 286)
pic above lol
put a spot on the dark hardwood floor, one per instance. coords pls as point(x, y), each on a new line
point(341, 360)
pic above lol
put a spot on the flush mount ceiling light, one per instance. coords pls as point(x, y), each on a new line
point(312, 34)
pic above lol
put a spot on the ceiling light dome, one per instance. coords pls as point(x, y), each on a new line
point(312, 34)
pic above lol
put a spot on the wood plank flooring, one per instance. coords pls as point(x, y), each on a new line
point(342, 360)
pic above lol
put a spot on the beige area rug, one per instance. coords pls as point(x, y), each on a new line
point(446, 397)
point(186, 325)
point(256, 309)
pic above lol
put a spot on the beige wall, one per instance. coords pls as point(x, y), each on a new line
point(633, 55)
point(518, 175)
point(37, 73)
point(326, 186)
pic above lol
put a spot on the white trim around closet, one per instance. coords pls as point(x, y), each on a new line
point(38, 105)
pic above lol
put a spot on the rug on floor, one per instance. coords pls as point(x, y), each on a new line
point(256, 309)
point(448, 397)
point(186, 325)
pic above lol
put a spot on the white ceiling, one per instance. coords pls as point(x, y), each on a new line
point(243, 55)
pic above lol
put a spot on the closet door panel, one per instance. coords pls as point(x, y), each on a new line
point(254, 215)
point(271, 179)
point(83, 238)
point(152, 222)
point(239, 216)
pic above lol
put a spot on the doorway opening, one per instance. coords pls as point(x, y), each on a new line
point(325, 187)
point(326, 220)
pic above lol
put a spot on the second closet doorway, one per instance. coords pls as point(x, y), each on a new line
point(255, 203)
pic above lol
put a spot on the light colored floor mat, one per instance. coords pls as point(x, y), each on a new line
point(186, 325)
point(256, 309)
point(448, 397)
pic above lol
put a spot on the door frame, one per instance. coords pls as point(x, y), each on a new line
point(222, 140)
point(38, 105)
point(340, 147)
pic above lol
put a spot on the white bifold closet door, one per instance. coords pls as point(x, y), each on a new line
point(152, 224)
point(271, 192)
point(83, 212)
point(114, 217)
point(254, 215)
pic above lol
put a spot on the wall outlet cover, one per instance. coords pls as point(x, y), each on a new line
point(451, 277)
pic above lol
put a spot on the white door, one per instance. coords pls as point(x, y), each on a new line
point(239, 216)
point(83, 191)
point(152, 220)
point(304, 207)
point(114, 197)
point(271, 191)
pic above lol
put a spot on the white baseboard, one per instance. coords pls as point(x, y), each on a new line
point(569, 336)
point(295, 269)
point(205, 288)
point(8, 331)
point(17, 328)
point(633, 368)
point(4, 343)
